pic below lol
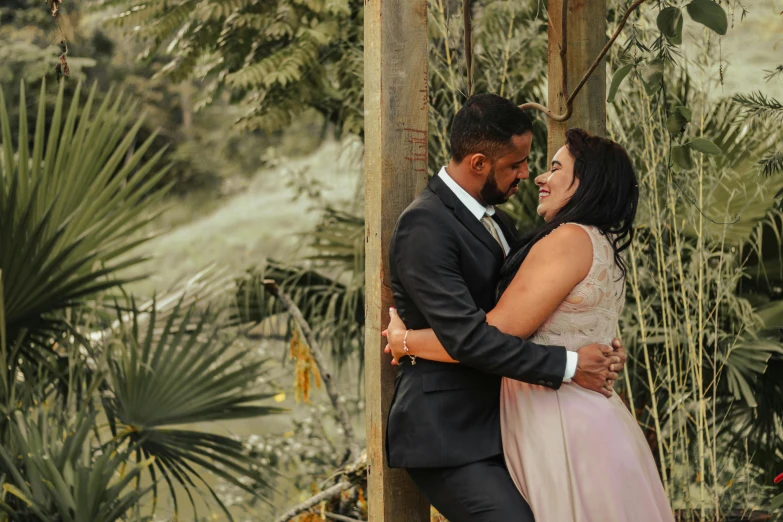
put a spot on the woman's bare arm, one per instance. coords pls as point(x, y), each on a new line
point(554, 266)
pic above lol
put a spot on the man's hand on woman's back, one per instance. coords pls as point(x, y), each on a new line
point(598, 366)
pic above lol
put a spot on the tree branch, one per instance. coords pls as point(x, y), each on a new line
point(315, 500)
point(320, 360)
point(341, 518)
point(570, 101)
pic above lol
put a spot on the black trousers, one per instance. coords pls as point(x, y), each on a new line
point(478, 492)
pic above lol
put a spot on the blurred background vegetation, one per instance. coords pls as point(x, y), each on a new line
point(198, 148)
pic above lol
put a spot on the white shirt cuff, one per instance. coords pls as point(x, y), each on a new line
point(572, 358)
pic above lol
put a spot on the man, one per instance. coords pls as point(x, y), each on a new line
point(446, 253)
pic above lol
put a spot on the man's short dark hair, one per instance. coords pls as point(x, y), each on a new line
point(486, 125)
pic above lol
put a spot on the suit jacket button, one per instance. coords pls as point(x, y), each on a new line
point(549, 383)
point(540, 382)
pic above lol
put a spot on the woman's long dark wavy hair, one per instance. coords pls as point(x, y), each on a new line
point(606, 198)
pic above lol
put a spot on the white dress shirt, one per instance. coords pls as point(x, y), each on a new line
point(479, 210)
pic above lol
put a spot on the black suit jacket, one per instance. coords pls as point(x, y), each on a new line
point(444, 269)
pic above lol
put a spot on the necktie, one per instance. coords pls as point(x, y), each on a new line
point(489, 224)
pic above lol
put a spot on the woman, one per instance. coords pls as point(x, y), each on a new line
point(573, 454)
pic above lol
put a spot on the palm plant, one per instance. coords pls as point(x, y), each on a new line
point(65, 476)
point(69, 212)
point(178, 372)
point(112, 397)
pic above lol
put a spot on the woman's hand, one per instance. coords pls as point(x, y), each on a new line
point(395, 334)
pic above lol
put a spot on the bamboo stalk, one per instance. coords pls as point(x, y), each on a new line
point(449, 60)
point(719, 295)
point(468, 44)
point(662, 276)
point(506, 54)
point(700, 318)
point(646, 351)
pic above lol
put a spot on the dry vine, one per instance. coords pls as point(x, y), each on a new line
point(563, 53)
point(61, 69)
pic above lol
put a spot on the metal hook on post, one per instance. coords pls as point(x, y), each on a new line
point(563, 50)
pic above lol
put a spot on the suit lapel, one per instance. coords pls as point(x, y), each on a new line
point(463, 214)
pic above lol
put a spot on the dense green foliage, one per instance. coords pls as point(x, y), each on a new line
point(101, 394)
point(199, 147)
point(277, 59)
point(75, 353)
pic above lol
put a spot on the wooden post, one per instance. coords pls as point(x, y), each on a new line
point(586, 38)
point(395, 170)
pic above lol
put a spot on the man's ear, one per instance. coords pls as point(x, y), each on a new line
point(479, 163)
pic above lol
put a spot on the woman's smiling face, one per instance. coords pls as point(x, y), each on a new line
point(557, 186)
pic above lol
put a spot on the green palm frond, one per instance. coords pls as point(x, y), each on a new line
point(739, 199)
point(329, 291)
point(744, 363)
point(776, 503)
point(57, 471)
point(178, 372)
point(759, 425)
point(338, 240)
point(70, 208)
point(334, 309)
point(210, 285)
point(735, 202)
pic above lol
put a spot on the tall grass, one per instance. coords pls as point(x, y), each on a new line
point(697, 342)
point(694, 320)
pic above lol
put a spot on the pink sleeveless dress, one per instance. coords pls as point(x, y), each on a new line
point(575, 455)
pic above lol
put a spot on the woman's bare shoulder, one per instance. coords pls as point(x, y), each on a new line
point(567, 244)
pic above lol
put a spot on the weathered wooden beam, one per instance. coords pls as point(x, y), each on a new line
point(395, 163)
point(586, 37)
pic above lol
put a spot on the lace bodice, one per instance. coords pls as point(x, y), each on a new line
point(589, 313)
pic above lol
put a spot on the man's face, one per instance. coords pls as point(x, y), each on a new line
point(507, 171)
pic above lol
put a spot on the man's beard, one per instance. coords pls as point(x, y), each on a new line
point(491, 193)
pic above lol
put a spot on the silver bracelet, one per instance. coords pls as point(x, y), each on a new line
point(405, 348)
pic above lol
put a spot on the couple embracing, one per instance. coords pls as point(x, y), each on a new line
point(503, 408)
